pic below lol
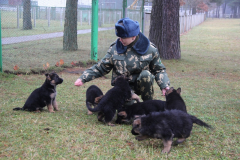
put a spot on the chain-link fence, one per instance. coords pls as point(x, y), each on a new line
point(41, 47)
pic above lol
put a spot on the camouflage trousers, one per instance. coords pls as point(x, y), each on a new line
point(144, 85)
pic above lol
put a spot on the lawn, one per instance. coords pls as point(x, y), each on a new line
point(208, 74)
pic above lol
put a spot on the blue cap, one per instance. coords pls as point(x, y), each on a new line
point(126, 27)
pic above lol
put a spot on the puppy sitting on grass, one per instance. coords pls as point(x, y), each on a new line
point(44, 96)
point(113, 100)
point(174, 100)
point(93, 96)
point(166, 126)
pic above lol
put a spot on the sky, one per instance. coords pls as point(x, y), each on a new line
point(60, 3)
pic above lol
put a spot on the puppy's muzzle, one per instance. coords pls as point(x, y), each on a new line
point(134, 133)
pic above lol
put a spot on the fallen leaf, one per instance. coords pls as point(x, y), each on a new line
point(16, 67)
point(57, 64)
point(47, 65)
point(44, 66)
point(73, 63)
point(61, 62)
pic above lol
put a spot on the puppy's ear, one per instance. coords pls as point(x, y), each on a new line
point(123, 114)
point(179, 90)
point(48, 76)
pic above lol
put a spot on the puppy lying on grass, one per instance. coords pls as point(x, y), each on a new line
point(113, 100)
point(129, 112)
point(93, 96)
point(173, 101)
point(44, 96)
point(166, 126)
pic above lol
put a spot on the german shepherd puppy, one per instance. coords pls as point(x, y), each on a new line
point(93, 96)
point(44, 96)
point(113, 100)
point(174, 100)
point(166, 126)
point(140, 108)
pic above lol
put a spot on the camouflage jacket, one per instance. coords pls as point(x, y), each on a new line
point(129, 63)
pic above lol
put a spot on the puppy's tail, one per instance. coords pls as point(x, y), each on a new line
point(96, 109)
point(199, 122)
point(17, 109)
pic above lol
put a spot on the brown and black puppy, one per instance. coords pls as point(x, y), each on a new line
point(174, 100)
point(113, 100)
point(93, 96)
point(128, 113)
point(44, 96)
point(166, 126)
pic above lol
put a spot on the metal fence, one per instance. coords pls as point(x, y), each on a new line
point(26, 51)
point(186, 22)
point(189, 21)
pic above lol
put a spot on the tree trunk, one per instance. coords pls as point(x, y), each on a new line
point(70, 26)
point(27, 23)
point(164, 28)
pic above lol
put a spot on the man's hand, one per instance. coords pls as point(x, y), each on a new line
point(164, 91)
point(78, 82)
point(136, 97)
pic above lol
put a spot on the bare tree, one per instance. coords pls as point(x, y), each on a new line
point(70, 26)
point(27, 23)
point(164, 28)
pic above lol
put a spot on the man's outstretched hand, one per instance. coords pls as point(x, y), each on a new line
point(78, 82)
point(164, 91)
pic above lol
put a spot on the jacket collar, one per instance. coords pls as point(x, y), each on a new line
point(140, 46)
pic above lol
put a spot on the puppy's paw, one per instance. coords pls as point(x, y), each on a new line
point(165, 151)
point(140, 138)
point(179, 141)
point(90, 113)
point(110, 124)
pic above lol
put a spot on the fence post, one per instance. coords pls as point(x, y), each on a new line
point(81, 17)
point(94, 30)
point(143, 13)
point(48, 15)
point(124, 8)
point(1, 69)
point(34, 16)
point(17, 16)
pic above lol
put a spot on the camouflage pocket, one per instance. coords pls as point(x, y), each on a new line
point(145, 62)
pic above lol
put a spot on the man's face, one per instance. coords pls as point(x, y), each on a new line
point(127, 41)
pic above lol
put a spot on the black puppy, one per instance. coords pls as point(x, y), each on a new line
point(43, 96)
point(113, 100)
point(93, 96)
point(174, 100)
point(166, 126)
point(140, 108)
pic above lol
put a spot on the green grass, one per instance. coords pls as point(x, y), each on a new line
point(208, 74)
